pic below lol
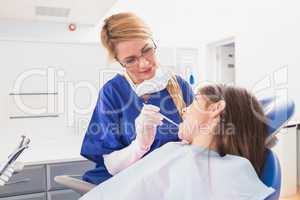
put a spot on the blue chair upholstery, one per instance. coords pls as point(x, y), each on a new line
point(278, 111)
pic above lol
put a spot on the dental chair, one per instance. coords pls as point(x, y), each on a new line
point(278, 111)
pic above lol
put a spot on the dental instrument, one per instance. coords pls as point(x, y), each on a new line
point(168, 119)
point(24, 144)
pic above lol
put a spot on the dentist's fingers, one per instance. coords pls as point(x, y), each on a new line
point(150, 107)
point(152, 118)
point(180, 131)
point(149, 116)
point(152, 115)
point(150, 124)
point(146, 124)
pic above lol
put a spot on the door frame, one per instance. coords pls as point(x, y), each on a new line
point(213, 63)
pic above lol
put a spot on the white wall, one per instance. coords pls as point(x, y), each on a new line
point(269, 43)
point(77, 87)
point(159, 15)
point(79, 67)
point(47, 32)
point(266, 35)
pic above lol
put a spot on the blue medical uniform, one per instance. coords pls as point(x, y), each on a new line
point(112, 124)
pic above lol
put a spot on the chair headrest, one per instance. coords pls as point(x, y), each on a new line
point(278, 111)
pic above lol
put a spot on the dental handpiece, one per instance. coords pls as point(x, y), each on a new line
point(24, 144)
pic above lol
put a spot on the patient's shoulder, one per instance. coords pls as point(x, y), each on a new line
point(232, 164)
point(238, 160)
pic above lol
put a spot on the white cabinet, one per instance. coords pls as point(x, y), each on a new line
point(62, 195)
point(39, 196)
point(286, 150)
point(36, 182)
point(30, 180)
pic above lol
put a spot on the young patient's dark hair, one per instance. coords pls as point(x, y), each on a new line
point(242, 129)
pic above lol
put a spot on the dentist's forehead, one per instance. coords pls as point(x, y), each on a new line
point(131, 47)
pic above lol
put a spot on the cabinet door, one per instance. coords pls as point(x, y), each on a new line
point(74, 169)
point(32, 179)
point(286, 150)
point(62, 195)
point(39, 196)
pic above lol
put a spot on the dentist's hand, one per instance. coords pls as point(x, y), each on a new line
point(6, 175)
point(146, 124)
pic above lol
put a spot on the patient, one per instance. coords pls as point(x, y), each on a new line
point(221, 157)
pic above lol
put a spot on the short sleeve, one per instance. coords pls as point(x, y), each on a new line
point(103, 133)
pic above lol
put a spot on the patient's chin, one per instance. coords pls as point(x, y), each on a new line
point(181, 131)
point(184, 132)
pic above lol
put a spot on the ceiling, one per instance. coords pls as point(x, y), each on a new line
point(87, 12)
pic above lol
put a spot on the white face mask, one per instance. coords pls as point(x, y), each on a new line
point(155, 84)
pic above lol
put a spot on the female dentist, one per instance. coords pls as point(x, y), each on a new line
point(127, 122)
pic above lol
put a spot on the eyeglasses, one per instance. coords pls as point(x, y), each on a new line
point(147, 52)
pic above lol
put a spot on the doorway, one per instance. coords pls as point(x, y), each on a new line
point(221, 61)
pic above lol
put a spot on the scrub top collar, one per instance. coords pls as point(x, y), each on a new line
point(129, 80)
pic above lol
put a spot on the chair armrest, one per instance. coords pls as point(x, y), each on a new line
point(75, 184)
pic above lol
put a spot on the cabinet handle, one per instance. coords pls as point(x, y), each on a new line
point(18, 181)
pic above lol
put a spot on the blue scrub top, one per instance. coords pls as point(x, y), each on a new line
point(112, 124)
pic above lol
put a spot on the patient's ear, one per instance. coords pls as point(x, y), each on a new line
point(217, 108)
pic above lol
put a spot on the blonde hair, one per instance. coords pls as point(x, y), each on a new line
point(126, 26)
point(121, 27)
point(176, 94)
